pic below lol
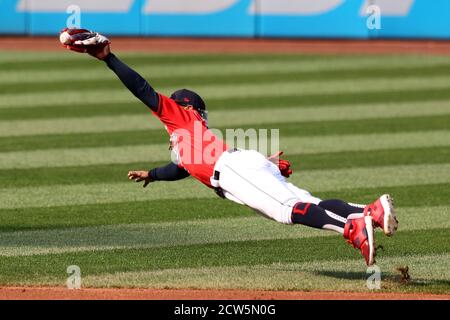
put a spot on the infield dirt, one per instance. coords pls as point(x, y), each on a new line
point(43, 293)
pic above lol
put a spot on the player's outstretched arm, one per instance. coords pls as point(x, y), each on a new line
point(169, 172)
point(133, 81)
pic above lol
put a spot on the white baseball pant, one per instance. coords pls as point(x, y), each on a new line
point(248, 178)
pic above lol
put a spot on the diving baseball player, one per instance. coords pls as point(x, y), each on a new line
point(243, 176)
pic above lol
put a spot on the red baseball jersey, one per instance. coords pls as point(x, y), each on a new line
point(194, 146)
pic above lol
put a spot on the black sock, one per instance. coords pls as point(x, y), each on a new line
point(341, 208)
point(314, 216)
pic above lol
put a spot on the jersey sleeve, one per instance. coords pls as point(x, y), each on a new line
point(171, 114)
point(170, 172)
point(133, 81)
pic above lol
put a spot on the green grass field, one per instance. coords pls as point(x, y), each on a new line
point(354, 127)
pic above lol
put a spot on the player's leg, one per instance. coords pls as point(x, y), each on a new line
point(357, 228)
point(310, 214)
point(348, 219)
point(249, 178)
point(329, 216)
point(341, 207)
point(381, 211)
point(359, 223)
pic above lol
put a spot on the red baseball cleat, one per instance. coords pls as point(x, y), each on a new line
point(359, 233)
point(382, 213)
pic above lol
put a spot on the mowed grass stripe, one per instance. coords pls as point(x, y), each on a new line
point(248, 90)
point(34, 60)
point(9, 128)
point(102, 238)
point(336, 275)
point(135, 107)
point(158, 152)
point(145, 236)
point(314, 181)
point(158, 136)
point(36, 268)
point(207, 231)
point(232, 73)
point(178, 210)
point(55, 61)
point(99, 72)
point(331, 99)
point(300, 163)
point(152, 211)
point(50, 61)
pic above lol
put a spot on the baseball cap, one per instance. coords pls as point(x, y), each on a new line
point(187, 97)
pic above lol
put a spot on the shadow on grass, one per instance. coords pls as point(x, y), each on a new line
point(347, 275)
point(392, 281)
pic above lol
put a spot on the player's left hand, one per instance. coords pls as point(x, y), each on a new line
point(85, 41)
point(139, 176)
point(283, 165)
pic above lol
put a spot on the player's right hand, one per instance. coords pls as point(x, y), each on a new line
point(139, 176)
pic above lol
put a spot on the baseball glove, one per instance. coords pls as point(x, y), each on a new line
point(82, 40)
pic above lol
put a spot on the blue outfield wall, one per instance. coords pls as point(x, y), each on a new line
point(11, 20)
point(232, 18)
point(425, 19)
point(332, 19)
point(219, 18)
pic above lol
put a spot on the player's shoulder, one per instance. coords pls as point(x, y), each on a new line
point(165, 105)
